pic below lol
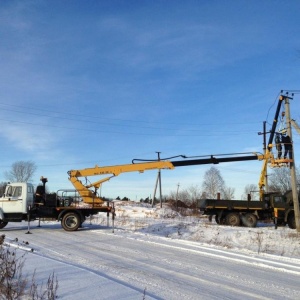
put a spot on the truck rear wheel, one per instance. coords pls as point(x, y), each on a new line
point(249, 220)
point(3, 224)
point(291, 221)
point(217, 219)
point(233, 219)
point(70, 221)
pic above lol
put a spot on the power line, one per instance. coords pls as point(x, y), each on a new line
point(63, 116)
point(209, 134)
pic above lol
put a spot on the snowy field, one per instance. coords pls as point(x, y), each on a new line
point(169, 224)
point(155, 253)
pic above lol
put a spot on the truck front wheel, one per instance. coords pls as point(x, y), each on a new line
point(233, 219)
point(3, 224)
point(70, 221)
point(291, 221)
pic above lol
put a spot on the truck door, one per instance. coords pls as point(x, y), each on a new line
point(12, 202)
point(30, 192)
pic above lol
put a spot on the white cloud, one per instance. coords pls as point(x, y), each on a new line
point(28, 139)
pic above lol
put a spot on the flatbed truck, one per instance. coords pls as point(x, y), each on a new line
point(274, 206)
point(21, 202)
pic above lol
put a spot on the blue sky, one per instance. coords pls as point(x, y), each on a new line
point(103, 82)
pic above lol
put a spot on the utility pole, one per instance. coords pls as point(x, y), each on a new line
point(158, 181)
point(292, 164)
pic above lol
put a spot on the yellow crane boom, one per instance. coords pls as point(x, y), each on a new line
point(91, 197)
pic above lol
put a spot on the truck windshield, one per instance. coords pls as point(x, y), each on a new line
point(278, 199)
point(14, 191)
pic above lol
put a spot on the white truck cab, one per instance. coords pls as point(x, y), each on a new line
point(21, 202)
point(16, 199)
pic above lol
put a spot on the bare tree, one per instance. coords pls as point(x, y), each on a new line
point(280, 179)
point(251, 189)
point(195, 193)
point(12, 281)
point(21, 171)
point(213, 183)
point(188, 196)
point(183, 195)
point(228, 193)
point(14, 285)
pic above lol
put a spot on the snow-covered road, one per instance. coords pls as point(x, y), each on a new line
point(94, 262)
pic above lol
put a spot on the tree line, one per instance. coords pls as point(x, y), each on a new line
point(213, 183)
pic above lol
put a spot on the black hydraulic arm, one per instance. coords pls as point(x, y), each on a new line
point(272, 133)
point(212, 160)
point(208, 159)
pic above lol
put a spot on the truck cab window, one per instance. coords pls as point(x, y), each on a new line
point(17, 191)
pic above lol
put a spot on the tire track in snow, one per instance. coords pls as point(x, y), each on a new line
point(206, 286)
point(41, 254)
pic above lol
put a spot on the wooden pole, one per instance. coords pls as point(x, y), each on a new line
point(292, 164)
